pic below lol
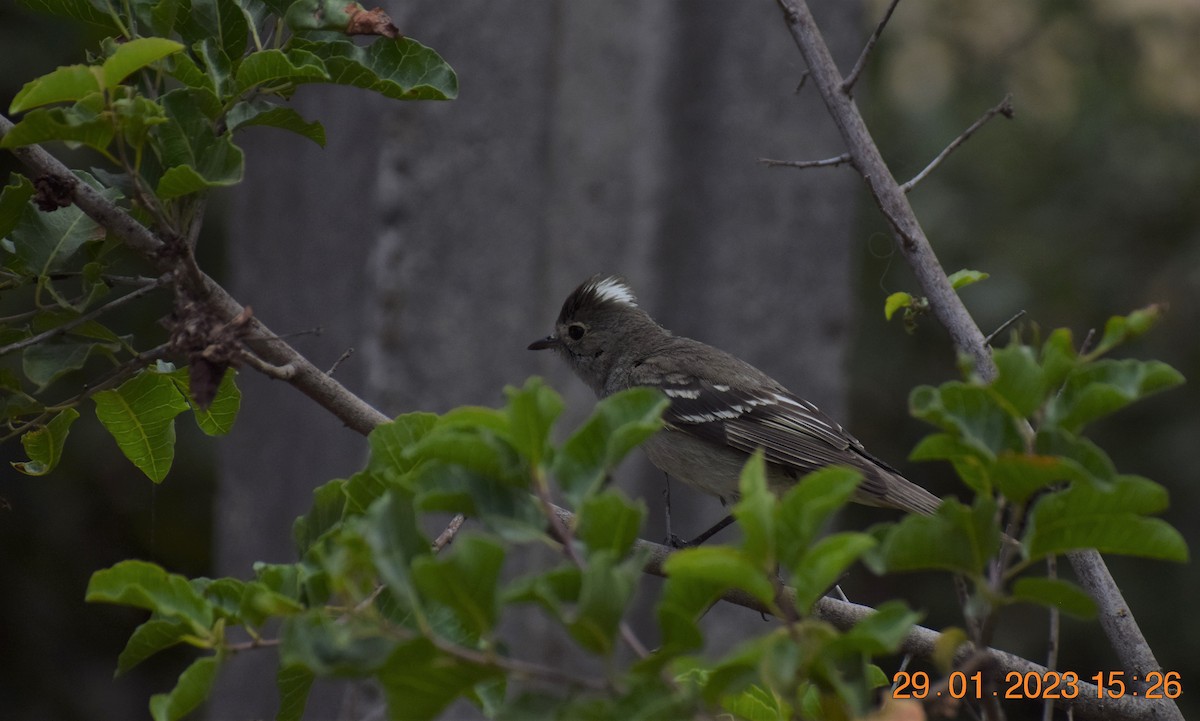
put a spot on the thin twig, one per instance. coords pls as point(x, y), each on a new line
point(285, 372)
point(1004, 108)
point(447, 536)
point(1052, 646)
point(345, 354)
point(75, 323)
point(852, 78)
point(800, 85)
point(826, 163)
point(991, 336)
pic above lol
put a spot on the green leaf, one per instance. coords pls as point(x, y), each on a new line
point(328, 504)
point(1019, 476)
point(77, 124)
point(218, 418)
point(269, 66)
point(46, 362)
point(46, 241)
point(45, 445)
point(962, 278)
point(806, 507)
point(294, 683)
point(400, 69)
point(756, 510)
point(185, 70)
point(895, 302)
point(420, 682)
point(146, 585)
point(13, 201)
point(968, 412)
point(218, 65)
point(957, 538)
point(1104, 387)
point(1121, 329)
point(82, 11)
point(1109, 518)
point(221, 20)
point(609, 521)
point(1058, 357)
point(327, 645)
point(1052, 441)
point(195, 157)
point(509, 510)
point(606, 588)
point(1019, 380)
point(391, 441)
point(819, 568)
point(881, 632)
point(192, 689)
point(392, 531)
point(532, 410)
point(133, 56)
point(756, 704)
point(149, 638)
point(618, 424)
point(970, 463)
point(65, 84)
point(1055, 593)
point(464, 580)
point(721, 566)
point(140, 415)
point(261, 112)
point(684, 600)
point(479, 450)
point(551, 588)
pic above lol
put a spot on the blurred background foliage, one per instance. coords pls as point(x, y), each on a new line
point(1085, 206)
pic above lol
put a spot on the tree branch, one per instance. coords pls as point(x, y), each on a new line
point(852, 78)
point(1116, 619)
point(910, 237)
point(922, 641)
point(1004, 107)
point(826, 163)
point(307, 378)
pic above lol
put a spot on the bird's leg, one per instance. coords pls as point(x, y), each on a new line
point(672, 540)
point(676, 542)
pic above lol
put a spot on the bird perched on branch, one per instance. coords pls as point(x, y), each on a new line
point(722, 408)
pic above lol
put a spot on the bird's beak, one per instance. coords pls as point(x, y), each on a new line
point(549, 341)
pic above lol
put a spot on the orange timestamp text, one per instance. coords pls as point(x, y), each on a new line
point(1037, 685)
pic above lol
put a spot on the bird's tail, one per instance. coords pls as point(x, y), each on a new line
point(907, 496)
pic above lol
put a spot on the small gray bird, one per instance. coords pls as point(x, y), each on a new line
point(722, 408)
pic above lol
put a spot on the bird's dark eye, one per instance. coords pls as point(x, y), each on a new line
point(576, 331)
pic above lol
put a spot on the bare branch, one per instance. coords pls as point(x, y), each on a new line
point(826, 163)
point(852, 78)
point(1118, 622)
point(1004, 108)
point(910, 237)
point(451, 530)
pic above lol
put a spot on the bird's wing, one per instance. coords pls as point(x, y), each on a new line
point(792, 432)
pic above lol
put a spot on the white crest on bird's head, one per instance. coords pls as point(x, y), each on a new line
point(597, 291)
point(613, 288)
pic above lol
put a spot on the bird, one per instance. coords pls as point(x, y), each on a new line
point(722, 409)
